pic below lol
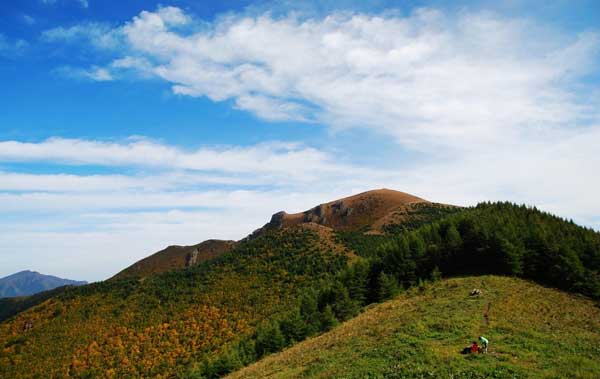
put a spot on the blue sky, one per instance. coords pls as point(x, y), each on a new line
point(129, 126)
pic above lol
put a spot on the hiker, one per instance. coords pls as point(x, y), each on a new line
point(484, 344)
point(474, 347)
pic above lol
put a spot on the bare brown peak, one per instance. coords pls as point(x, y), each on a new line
point(176, 257)
point(350, 213)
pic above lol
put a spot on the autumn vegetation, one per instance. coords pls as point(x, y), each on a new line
point(282, 286)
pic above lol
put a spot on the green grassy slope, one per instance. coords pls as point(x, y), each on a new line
point(534, 332)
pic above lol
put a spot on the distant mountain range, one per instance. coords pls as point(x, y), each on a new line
point(28, 282)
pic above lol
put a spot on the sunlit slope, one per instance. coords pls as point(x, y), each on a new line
point(168, 324)
point(535, 332)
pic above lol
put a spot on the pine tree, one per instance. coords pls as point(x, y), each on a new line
point(309, 311)
point(343, 306)
point(387, 286)
point(293, 327)
point(356, 281)
point(269, 339)
point(328, 320)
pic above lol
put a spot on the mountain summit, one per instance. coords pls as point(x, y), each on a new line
point(27, 282)
point(368, 212)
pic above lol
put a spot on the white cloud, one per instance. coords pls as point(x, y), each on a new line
point(428, 79)
point(94, 73)
point(290, 160)
point(96, 34)
point(99, 74)
point(167, 195)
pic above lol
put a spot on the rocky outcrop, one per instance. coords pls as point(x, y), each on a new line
point(192, 258)
point(277, 220)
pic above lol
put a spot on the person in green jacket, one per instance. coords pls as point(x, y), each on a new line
point(484, 344)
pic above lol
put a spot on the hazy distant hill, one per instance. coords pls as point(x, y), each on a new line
point(27, 283)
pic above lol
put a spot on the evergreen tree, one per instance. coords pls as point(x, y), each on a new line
point(343, 306)
point(293, 328)
point(328, 320)
point(387, 286)
point(356, 279)
point(269, 339)
point(309, 310)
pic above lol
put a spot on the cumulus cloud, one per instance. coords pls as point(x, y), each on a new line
point(428, 78)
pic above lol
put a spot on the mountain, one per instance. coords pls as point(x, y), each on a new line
point(291, 280)
point(27, 282)
point(176, 257)
point(534, 332)
point(369, 212)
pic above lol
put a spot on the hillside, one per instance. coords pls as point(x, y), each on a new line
point(27, 282)
point(176, 257)
point(170, 323)
point(534, 332)
point(283, 284)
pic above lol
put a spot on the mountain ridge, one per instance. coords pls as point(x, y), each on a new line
point(287, 283)
point(370, 211)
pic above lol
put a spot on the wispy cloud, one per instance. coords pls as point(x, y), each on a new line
point(289, 159)
point(94, 73)
point(81, 3)
point(96, 34)
point(164, 194)
point(29, 20)
point(10, 48)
